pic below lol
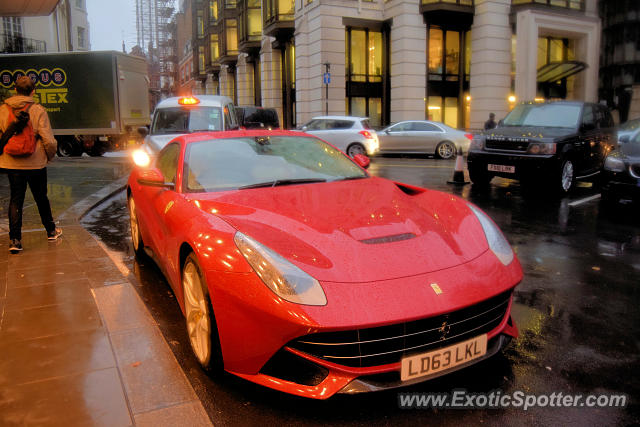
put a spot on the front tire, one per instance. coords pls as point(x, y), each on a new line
point(200, 320)
point(136, 235)
point(446, 150)
point(356, 148)
point(567, 178)
point(479, 177)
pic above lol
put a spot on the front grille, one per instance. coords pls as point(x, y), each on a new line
point(389, 344)
point(635, 170)
point(509, 144)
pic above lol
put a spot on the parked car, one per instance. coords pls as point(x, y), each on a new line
point(547, 144)
point(252, 117)
point(285, 280)
point(188, 114)
point(627, 129)
point(353, 135)
point(422, 136)
point(621, 172)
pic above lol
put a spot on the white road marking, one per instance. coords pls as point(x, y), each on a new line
point(585, 200)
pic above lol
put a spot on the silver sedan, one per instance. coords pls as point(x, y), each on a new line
point(422, 136)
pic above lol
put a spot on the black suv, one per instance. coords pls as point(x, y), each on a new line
point(551, 143)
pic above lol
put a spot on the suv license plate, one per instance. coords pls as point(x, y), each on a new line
point(502, 168)
point(443, 359)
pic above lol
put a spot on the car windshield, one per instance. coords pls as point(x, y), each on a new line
point(186, 120)
point(264, 161)
point(545, 115)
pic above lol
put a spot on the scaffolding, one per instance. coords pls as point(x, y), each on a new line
point(155, 25)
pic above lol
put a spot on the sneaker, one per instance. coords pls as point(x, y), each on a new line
point(53, 235)
point(15, 246)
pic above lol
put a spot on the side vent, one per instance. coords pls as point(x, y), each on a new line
point(410, 190)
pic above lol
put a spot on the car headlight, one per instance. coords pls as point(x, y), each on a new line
point(614, 164)
point(497, 242)
point(477, 143)
point(282, 277)
point(541, 148)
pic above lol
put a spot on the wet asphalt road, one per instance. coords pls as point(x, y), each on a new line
point(577, 310)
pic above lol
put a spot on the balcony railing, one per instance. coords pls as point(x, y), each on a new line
point(457, 2)
point(16, 44)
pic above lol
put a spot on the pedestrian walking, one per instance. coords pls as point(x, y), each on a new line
point(491, 123)
point(25, 167)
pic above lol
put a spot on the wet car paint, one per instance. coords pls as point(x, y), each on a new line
point(577, 311)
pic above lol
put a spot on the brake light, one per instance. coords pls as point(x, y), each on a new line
point(188, 100)
point(366, 134)
point(468, 136)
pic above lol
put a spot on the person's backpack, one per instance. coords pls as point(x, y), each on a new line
point(19, 135)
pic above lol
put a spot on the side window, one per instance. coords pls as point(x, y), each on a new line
point(588, 119)
point(234, 117)
point(340, 124)
point(424, 127)
point(316, 125)
point(168, 162)
point(400, 127)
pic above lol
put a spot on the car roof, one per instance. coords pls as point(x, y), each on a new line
point(339, 118)
point(205, 101)
point(204, 136)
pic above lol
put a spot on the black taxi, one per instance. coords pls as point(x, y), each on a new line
point(549, 144)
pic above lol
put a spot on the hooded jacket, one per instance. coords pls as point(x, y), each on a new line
point(46, 145)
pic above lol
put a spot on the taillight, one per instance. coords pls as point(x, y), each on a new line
point(366, 134)
point(468, 136)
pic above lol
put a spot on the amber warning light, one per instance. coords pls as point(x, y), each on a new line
point(188, 100)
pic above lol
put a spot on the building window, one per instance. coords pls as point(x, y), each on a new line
point(201, 60)
point(365, 51)
point(80, 4)
point(213, 11)
point(230, 4)
point(214, 44)
point(568, 4)
point(82, 37)
point(279, 10)
point(231, 35)
point(448, 65)
point(12, 26)
point(200, 23)
point(555, 50)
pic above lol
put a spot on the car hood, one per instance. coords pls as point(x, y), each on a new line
point(355, 231)
point(533, 132)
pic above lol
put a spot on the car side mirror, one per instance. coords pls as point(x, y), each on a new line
point(624, 138)
point(588, 126)
point(304, 128)
point(500, 122)
point(362, 161)
point(143, 131)
point(153, 178)
point(387, 131)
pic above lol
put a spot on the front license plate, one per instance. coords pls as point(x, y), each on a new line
point(443, 359)
point(502, 168)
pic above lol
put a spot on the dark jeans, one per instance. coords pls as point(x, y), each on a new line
point(37, 180)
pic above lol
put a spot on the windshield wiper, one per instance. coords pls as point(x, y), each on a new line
point(349, 178)
point(283, 182)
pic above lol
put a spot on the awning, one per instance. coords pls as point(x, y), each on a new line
point(27, 7)
point(555, 71)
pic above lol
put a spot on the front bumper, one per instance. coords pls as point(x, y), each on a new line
point(526, 165)
point(620, 185)
point(256, 327)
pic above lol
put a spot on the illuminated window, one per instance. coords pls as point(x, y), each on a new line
point(200, 24)
point(214, 44)
point(213, 10)
point(201, 60)
point(231, 35)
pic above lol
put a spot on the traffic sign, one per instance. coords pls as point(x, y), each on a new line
point(326, 78)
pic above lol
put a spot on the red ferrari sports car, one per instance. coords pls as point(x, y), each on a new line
point(297, 270)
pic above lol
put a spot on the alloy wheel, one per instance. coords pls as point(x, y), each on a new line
point(356, 149)
point(197, 314)
point(567, 176)
point(446, 150)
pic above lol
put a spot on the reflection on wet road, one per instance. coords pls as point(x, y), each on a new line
point(577, 310)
